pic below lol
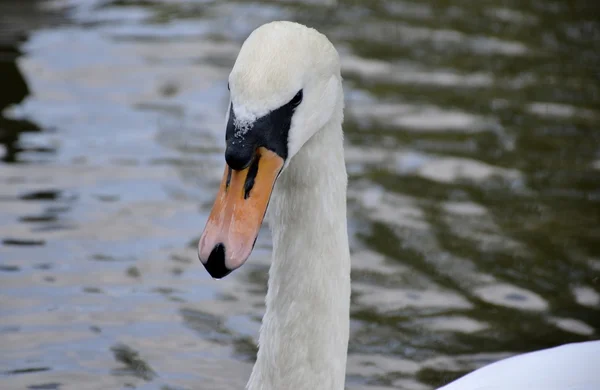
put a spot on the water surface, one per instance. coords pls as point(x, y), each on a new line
point(472, 146)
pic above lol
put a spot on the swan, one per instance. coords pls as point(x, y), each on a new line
point(284, 150)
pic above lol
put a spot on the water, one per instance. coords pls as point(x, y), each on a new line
point(474, 158)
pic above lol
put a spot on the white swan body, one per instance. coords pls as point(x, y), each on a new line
point(568, 367)
point(284, 136)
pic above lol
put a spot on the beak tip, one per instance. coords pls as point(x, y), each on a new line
point(215, 264)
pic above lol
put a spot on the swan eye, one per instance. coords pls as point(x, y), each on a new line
point(228, 87)
point(295, 102)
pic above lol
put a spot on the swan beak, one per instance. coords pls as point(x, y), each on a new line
point(237, 214)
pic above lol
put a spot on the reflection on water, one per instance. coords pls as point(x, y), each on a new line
point(473, 152)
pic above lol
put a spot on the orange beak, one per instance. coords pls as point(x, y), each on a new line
point(237, 214)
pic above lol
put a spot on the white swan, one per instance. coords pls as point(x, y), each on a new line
point(284, 135)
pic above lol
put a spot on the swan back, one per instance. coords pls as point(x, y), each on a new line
point(568, 367)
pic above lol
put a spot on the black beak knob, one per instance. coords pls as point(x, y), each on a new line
point(239, 154)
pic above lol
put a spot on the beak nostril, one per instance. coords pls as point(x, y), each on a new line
point(228, 181)
point(251, 177)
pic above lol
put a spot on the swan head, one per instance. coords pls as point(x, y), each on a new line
point(284, 87)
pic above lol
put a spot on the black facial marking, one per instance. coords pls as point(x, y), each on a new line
point(251, 176)
point(270, 131)
point(215, 265)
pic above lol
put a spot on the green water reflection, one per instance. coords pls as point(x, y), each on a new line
point(474, 157)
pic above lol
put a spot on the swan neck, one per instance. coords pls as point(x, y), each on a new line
point(304, 335)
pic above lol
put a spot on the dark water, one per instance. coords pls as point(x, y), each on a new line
point(474, 157)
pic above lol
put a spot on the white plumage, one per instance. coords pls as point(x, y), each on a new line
point(568, 367)
point(304, 335)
